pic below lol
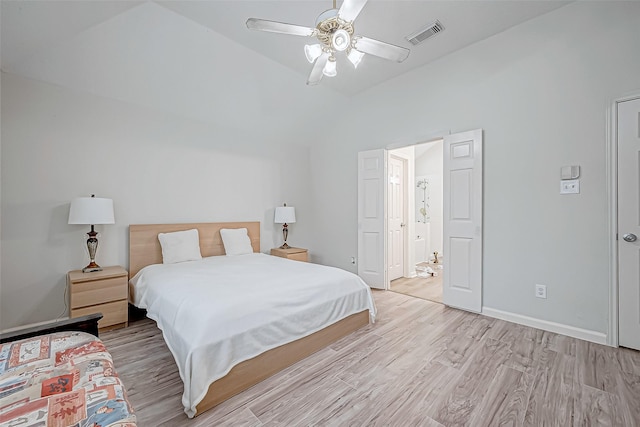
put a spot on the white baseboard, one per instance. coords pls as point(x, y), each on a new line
point(545, 325)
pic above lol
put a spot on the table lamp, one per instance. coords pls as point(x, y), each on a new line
point(285, 214)
point(91, 211)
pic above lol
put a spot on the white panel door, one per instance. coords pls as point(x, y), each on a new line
point(462, 221)
point(395, 217)
point(629, 223)
point(371, 223)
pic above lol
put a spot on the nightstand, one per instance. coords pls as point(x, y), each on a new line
point(103, 292)
point(298, 254)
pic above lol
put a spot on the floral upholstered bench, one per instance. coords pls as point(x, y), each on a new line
point(60, 379)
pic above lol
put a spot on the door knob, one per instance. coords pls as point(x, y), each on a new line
point(402, 224)
point(630, 237)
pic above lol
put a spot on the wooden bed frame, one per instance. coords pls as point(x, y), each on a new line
point(144, 249)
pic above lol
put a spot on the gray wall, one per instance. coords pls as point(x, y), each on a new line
point(157, 168)
point(540, 91)
point(170, 133)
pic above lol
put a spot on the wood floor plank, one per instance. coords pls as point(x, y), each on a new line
point(595, 407)
point(420, 364)
point(597, 366)
point(417, 397)
point(477, 372)
point(562, 343)
point(628, 360)
point(239, 418)
point(456, 350)
point(474, 326)
point(629, 392)
point(510, 332)
point(528, 356)
point(294, 406)
point(505, 403)
point(552, 400)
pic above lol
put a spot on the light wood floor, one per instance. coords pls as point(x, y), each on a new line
point(420, 364)
point(429, 288)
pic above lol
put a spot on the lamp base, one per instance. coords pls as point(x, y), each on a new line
point(91, 268)
point(285, 234)
point(92, 246)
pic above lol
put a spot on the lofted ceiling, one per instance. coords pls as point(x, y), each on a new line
point(29, 28)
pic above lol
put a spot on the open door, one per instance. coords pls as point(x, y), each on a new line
point(372, 170)
point(628, 130)
point(396, 212)
point(462, 225)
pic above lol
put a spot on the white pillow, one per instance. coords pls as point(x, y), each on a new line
point(180, 246)
point(236, 241)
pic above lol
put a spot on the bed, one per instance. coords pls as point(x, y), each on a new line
point(232, 321)
point(58, 375)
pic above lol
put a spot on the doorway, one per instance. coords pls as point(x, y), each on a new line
point(423, 196)
point(462, 219)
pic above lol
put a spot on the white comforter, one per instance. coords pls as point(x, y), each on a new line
point(220, 311)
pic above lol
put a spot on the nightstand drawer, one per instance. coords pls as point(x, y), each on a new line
point(114, 313)
point(296, 254)
point(98, 291)
point(300, 256)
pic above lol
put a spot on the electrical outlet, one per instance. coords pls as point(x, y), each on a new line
point(541, 291)
point(570, 186)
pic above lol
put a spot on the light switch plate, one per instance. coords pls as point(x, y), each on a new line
point(570, 186)
point(570, 172)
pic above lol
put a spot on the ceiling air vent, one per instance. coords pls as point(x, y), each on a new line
point(423, 34)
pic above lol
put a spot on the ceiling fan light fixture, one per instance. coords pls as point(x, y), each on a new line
point(312, 52)
point(335, 33)
point(330, 67)
point(341, 40)
point(355, 56)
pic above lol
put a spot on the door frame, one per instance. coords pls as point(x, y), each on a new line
point(612, 198)
point(440, 136)
point(410, 216)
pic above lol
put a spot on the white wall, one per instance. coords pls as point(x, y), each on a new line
point(540, 92)
point(58, 144)
point(171, 120)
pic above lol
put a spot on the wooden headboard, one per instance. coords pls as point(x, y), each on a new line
point(144, 246)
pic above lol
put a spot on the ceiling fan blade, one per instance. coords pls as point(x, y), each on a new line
point(381, 49)
point(350, 9)
point(279, 27)
point(316, 72)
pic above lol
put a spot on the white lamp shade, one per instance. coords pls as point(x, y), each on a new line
point(312, 52)
point(285, 215)
point(91, 210)
point(330, 68)
point(355, 56)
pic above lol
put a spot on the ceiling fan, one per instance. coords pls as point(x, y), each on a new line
point(334, 31)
